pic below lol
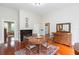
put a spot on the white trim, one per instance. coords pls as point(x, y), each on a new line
point(3, 28)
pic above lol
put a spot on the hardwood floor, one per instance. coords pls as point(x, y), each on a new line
point(10, 50)
point(7, 50)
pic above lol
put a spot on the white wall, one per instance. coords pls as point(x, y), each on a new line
point(1, 33)
point(69, 14)
point(8, 14)
point(34, 20)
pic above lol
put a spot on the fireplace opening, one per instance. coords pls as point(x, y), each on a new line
point(24, 34)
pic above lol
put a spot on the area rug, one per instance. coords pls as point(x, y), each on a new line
point(50, 50)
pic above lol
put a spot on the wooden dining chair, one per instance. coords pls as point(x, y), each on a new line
point(31, 47)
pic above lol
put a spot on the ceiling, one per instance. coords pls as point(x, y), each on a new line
point(43, 9)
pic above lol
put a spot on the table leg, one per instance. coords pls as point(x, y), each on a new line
point(39, 48)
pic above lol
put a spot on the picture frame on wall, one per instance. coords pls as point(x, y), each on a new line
point(26, 24)
point(63, 27)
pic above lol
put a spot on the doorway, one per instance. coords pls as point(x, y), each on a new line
point(47, 29)
point(9, 29)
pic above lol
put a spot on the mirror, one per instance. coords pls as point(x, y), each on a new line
point(63, 27)
point(9, 31)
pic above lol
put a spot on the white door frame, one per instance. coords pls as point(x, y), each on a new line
point(3, 27)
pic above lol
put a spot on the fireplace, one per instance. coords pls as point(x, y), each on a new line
point(25, 33)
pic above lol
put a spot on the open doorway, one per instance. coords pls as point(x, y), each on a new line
point(8, 31)
point(47, 29)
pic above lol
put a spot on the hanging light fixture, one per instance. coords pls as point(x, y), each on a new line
point(38, 4)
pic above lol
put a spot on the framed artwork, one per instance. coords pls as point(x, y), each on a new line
point(63, 27)
point(26, 24)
